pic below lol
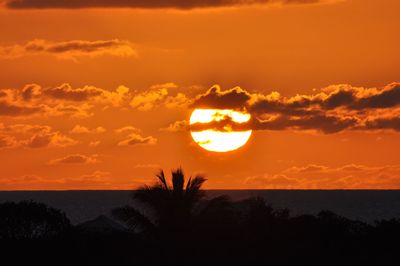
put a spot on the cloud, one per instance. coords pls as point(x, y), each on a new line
point(10, 109)
point(78, 129)
point(94, 143)
point(33, 136)
point(314, 176)
point(98, 180)
point(49, 139)
point(331, 110)
point(66, 92)
point(96, 176)
point(216, 98)
point(7, 141)
point(155, 4)
point(177, 126)
point(33, 99)
point(159, 95)
point(69, 49)
point(127, 129)
point(79, 102)
point(136, 139)
point(311, 168)
point(384, 123)
point(272, 182)
point(75, 159)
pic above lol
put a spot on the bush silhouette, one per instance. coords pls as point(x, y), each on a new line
point(30, 220)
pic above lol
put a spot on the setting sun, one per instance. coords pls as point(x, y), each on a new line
point(219, 140)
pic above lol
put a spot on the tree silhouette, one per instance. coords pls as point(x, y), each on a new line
point(173, 206)
point(31, 220)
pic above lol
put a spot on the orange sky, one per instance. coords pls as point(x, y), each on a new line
point(96, 96)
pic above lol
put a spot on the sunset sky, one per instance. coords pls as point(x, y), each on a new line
point(97, 94)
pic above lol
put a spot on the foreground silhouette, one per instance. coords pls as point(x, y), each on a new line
point(177, 225)
point(30, 220)
point(173, 209)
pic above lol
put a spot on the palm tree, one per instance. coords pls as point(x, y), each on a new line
point(173, 207)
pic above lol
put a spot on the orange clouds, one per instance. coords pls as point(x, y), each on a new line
point(134, 137)
point(130, 128)
point(333, 109)
point(94, 180)
point(137, 139)
point(75, 159)
point(159, 95)
point(7, 141)
point(351, 176)
point(69, 49)
point(78, 129)
point(177, 126)
point(32, 136)
point(52, 139)
point(34, 99)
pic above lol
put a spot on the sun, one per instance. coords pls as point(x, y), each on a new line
point(223, 137)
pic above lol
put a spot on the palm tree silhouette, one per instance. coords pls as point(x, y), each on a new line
point(173, 207)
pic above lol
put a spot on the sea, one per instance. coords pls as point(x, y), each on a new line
point(363, 205)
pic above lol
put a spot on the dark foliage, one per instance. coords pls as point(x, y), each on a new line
point(30, 220)
point(185, 228)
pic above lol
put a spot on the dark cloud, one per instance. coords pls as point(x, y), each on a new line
point(384, 123)
point(225, 125)
point(69, 49)
point(323, 123)
point(31, 91)
point(333, 109)
point(338, 99)
point(39, 140)
point(10, 109)
point(389, 97)
point(340, 96)
point(66, 92)
point(145, 4)
point(235, 98)
point(46, 139)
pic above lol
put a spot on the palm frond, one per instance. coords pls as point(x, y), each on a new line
point(154, 196)
point(189, 182)
point(133, 218)
point(178, 180)
point(162, 179)
point(193, 192)
point(196, 183)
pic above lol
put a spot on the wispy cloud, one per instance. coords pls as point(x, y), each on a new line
point(69, 49)
point(75, 159)
point(137, 139)
point(349, 176)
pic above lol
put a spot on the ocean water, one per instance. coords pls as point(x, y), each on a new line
point(364, 205)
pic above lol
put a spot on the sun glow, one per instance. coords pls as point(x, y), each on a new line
point(217, 140)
